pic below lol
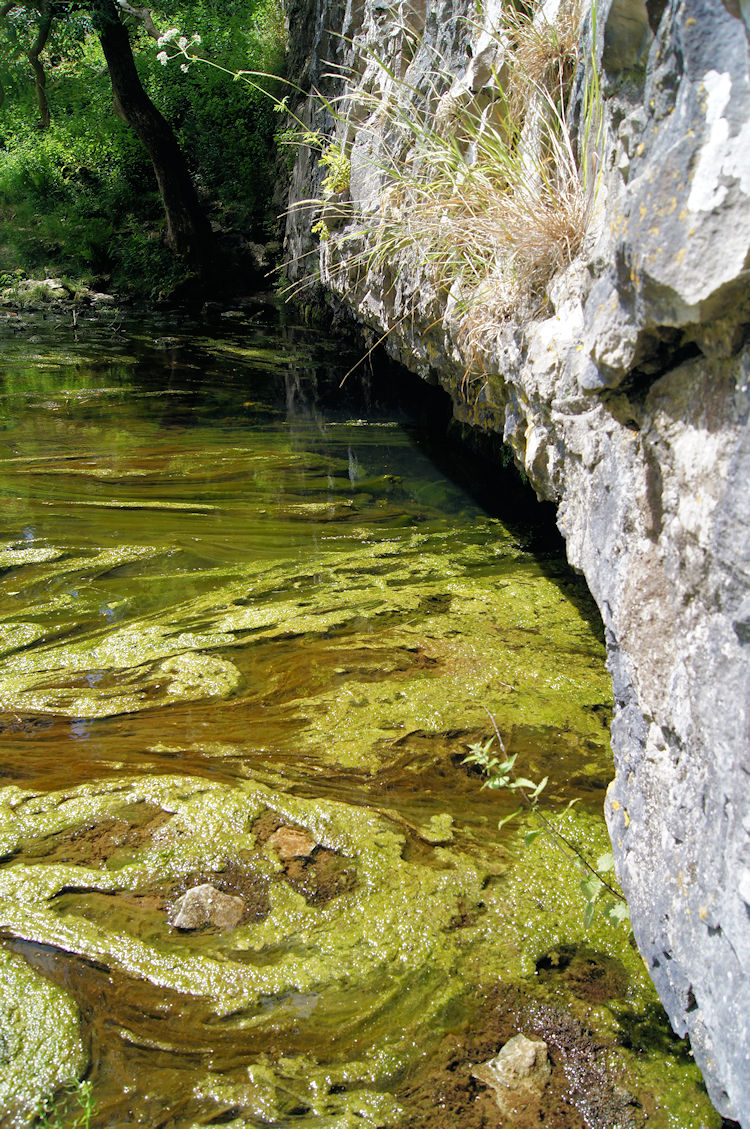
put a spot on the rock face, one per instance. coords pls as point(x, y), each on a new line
point(625, 397)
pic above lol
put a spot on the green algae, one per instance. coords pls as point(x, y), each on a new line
point(273, 1088)
point(40, 1040)
point(381, 962)
point(316, 622)
point(13, 556)
point(376, 968)
point(425, 595)
point(396, 916)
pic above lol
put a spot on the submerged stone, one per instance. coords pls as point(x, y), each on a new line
point(518, 1074)
point(205, 905)
point(292, 843)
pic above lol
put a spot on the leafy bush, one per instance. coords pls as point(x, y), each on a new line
point(80, 197)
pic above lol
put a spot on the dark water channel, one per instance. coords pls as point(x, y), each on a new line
point(249, 629)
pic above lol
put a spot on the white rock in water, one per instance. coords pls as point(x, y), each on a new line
point(205, 905)
point(520, 1071)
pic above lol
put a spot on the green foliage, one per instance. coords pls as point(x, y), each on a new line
point(596, 881)
point(334, 158)
point(70, 194)
point(80, 198)
point(72, 1108)
point(339, 168)
point(226, 129)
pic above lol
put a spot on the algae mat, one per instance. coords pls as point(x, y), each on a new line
point(247, 632)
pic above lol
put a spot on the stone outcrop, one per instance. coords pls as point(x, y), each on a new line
point(625, 398)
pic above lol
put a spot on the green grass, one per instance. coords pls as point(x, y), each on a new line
point(71, 1108)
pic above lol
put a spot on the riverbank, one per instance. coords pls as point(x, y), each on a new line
point(573, 274)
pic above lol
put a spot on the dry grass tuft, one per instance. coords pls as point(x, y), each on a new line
point(490, 189)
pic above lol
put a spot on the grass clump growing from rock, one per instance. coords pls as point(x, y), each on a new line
point(482, 177)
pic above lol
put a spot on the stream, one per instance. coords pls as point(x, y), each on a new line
point(251, 620)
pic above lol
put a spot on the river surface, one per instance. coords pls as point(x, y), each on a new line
point(251, 622)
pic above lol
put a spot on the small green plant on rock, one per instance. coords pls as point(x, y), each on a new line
point(337, 180)
point(339, 168)
point(72, 1107)
point(596, 878)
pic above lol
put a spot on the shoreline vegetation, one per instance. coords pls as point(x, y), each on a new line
point(78, 196)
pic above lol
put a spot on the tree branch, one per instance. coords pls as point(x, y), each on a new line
point(142, 14)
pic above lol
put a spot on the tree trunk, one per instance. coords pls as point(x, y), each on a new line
point(40, 78)
point(188, 230)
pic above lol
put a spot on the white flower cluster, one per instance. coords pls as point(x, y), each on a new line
point(174, 38)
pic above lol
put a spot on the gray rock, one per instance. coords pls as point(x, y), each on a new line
point(627, 402)
point(518, 1074)
point(48, 288)
point(205, 905)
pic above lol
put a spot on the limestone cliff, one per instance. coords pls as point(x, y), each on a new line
point(624, 392)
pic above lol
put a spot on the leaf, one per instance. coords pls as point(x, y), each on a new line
point(523, 782)
point(539, 788)
point(529, 837)
point(591, 887)
point(497, 781)
point(605, 862)
point(617, 912)
point(588, 915)
point(507, 818)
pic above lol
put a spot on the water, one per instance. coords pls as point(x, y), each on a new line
point(239, 602)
